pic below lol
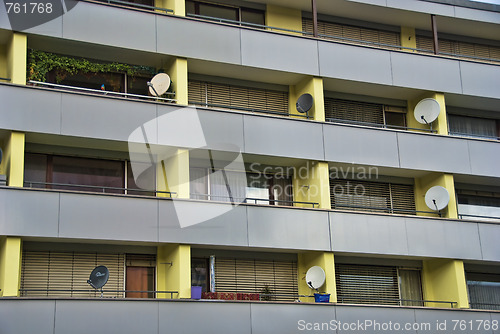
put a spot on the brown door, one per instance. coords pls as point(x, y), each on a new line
point(140, 279)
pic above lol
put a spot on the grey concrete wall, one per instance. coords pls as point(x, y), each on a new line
point(67, 215)
point(53, 112)
point(184, 37)
point(60, 316)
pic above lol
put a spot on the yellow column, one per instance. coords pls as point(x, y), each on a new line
point(408, 38)
point(178, 72)
point(424, 183)
point(324, 260)
point(283, 17)
point(440, 124)
point(173, 270)
point(17, 49)
point(313, 86)
point(13, 159)
point(178, 6)
point(10, 266)
point(311, 183)
point(444, 280)
point(173, 174)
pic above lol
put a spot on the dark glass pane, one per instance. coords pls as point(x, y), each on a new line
point(395, 119)
point(35, 169)
point(138, 85)
point(252, 16)
point(144, 181)
point(88, 172)
point(190, 7)
point(222, 12)
point(199, 273)
point(111, 81)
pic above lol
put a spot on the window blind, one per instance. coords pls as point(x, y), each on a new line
point(69, 271)
point(335, 31)
point(372, 196)
point(252, 275)
point(237, 97)
point(362, 284)
point(472, 126)
point(354, 111)
point(484, 291)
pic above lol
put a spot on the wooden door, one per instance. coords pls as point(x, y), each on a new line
point(140, 279)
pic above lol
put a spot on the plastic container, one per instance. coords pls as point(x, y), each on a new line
point(322, 297)
point(196, 292)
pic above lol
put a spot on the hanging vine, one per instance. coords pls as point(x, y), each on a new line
point(40, 63)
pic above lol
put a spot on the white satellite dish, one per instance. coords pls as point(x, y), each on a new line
point(315, 277)
point(426, 111)
point(159, 84)
point(437, 198)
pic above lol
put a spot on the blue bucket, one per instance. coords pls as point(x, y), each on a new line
point(196, 292)
point(322, 297)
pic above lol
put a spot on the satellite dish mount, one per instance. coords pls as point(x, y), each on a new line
point(98, 278)
point(159, 84)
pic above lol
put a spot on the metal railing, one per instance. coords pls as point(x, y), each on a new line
point(103, 92)
point(246, 200)
point(378, 125)
point(384, 210)
point(104, 291)
point(135, 5)
point(391, 301)
point(470, 135)
point(223, 106)
point(5, 79)
point(484, 306)
point(461, 216)
point(126, 191)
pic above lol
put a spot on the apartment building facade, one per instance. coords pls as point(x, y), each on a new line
point(223, 183)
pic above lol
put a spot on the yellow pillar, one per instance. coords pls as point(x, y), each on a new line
point(173, 174)
point(324, 260)
point(424, 183)
point(17, 49)
point(408, 38)
point(313, 86)
point(440, 124)
point(311, 183)
point(10, 266)
point(173, 270)
point(178, 72)
point(283, 17)
point(444, 280)
point(13, 159)
point(178, 6)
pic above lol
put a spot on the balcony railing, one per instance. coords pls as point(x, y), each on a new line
point(103, 92)
point(378, 125)
point(382, 210)
point(262, 111)
point(479, 213)
point(94, 293)
point(392, 301)
point(469, 135)
point(135, 5)
point(484, 306)
point(251, 200)
point(96, 189)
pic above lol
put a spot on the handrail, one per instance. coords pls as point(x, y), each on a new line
point(5, 79)
point(389, 210)
point(477, 216)
point(244, 199)
point(399, 300)
point(132, 4)
point(90, 291)
point(103, 92)
point(495, 306)
point(470, 135)
point(347, 121)
point(203, 104)
point(104, 188)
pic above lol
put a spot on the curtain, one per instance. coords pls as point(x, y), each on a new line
point(228, 186)
point(481, 127)
point(198, 183)
point(410, 286)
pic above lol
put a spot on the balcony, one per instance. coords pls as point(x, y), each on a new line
point(159, 316)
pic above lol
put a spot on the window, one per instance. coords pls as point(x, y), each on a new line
point(239, 275)
point(65, 274)
point(82, 174)
point(353, 34)
point(386, 285)
point(219, 95)
point(484, 291)
point(200, 273)
point(222, 11)
point(358, 195)
point(233, 186)
point(365, 113)
point(473, 126)
point(478, 205)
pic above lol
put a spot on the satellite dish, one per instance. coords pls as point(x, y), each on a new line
point(159, 84)
point(99, 277)
point(304, 103)
point(437, 198)
point(315, 277)
point(426, 111)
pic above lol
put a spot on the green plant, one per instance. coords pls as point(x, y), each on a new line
point(266, 293)
point(40, 63)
